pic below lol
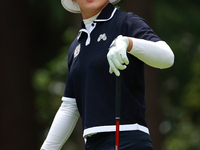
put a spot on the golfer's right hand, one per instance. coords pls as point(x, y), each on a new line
point(117, 55)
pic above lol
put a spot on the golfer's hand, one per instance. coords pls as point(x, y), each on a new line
point(117, 55)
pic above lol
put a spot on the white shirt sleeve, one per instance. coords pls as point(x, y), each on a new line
point(155, 54)
point(62, 126)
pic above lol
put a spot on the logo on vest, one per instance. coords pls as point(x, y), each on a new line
point(77, 50)
point(102, 37)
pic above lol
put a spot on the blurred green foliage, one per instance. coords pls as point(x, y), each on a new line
point(49, 84)
point(177, 22)
point(54, 25)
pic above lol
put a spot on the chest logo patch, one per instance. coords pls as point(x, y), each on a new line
point(77, 50)
point(102, 37)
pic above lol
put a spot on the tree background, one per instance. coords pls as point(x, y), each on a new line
point(34, 40)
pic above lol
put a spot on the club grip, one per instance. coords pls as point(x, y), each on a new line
point(118, 97)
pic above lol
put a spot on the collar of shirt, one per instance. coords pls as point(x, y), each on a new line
point(88, 23)
point(105, 15)
point(91, 19)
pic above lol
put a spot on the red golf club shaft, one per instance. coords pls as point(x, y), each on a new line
point(117, 136)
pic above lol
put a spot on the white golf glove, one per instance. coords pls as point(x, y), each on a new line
point(117, 55)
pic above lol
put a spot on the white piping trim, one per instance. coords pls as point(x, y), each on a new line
point(68, 99)
point(112, 128)
point(88, 33)
point(88, 37)
point(80, 32)
point(100, 20)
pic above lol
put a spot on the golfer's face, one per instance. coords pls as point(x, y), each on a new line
point(91, 6)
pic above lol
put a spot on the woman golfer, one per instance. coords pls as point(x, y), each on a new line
point(109, 40)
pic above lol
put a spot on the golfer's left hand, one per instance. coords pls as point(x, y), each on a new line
point(117, 55)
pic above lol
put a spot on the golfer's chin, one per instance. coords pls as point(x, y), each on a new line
point(92, 7)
